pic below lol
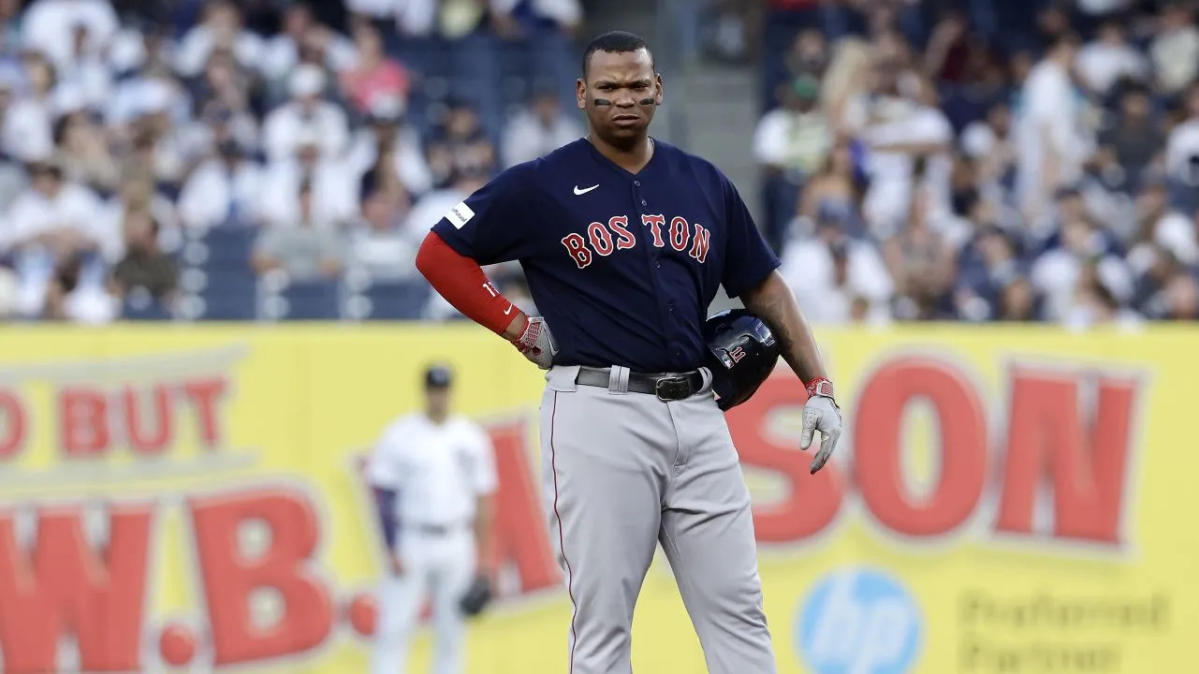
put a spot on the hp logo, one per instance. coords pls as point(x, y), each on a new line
point(859, 621)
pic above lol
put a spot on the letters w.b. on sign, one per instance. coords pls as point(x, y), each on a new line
point(1070, 429)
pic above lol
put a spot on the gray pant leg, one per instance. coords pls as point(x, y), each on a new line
point(604, 467)
point(707, 533)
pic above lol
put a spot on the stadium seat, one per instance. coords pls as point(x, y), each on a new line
point(396, 300)
point(311, 301)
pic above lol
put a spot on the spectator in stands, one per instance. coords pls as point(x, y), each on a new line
point(282, 53)
point(305, 249)
point(833, 193)
point(990, 143)
point(794, 137)
point(1053, 140)
point(1109, 58)
point(909, 140)
point(374, 78)
point(223, 190)
point(1019, 302)
point(224, 94)
point(521, 17)
point(921, 264)
point(538, 129)
point(83, 153)
point(837, 279)
point(26, 133)
point(50, 224)
point(137, 195)
point(51, 27)
point(1180, 298)
point(1056, 272)
point(382, 246)
point(220, 30)
point(387, 133)
point(989, 264)
point(809, 54)
point(460, 145)
point(333, 194)
point(1182, 153)
point(145, 269)
point(412, 18)
point(1175, 48)
point(307, 114)
point(1135, 137)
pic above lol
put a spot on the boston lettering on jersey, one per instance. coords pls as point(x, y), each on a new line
point(616, 236)
point(623, 266)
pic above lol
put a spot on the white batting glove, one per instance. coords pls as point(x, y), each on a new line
point(820, 414)
point(536, 342)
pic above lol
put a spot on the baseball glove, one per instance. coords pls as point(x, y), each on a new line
point(477, 596)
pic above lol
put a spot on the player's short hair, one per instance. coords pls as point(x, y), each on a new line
point(616, 42)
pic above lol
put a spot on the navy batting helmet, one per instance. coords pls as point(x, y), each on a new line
point(743, 353)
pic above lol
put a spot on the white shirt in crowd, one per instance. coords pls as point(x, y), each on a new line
point(287, 124)
point(1175, 55)
point(526, 138)
point(1181, 147)
point(1100, 65)
point(892, 181)
point(334, 193)
point(49, 27)
point(197, 44)
point(791, 139)
point(1051, 120)
point(1055, 274)
point(439, 470)
point(410, 165)
point(412, 17)
point(27, 134)
point(74, 207)
point(280, 55)
point(808, 269)
point(214, 193)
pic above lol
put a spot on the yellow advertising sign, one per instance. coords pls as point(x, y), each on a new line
point(190, 498)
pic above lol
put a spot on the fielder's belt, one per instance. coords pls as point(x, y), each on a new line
point(665, 385)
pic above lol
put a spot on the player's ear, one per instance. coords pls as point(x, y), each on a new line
point(581, 94)
point(658, 96)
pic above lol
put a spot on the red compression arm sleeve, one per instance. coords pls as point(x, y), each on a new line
point(461, 281)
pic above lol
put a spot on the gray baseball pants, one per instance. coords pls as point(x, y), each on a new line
point(624, 471)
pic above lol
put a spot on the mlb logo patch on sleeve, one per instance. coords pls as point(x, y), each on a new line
point(460, 215)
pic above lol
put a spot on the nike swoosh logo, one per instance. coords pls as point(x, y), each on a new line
point(508, 310)
point(579, 192)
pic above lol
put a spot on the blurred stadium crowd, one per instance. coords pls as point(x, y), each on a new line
point(258, 159)
point(947, 159)
point(978, 160)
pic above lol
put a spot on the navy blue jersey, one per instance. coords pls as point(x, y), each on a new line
point(622, 266)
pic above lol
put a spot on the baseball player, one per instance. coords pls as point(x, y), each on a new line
point(433, 475)
point(624, 240)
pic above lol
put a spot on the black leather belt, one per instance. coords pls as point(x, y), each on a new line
point(667, 386)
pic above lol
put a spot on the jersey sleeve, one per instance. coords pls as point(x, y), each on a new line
point(495, 223)
point(747, 259)
point(483, 478)
point(383, 469)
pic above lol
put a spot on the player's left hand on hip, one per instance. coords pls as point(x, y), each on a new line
point(536, 342)
point(820, 414)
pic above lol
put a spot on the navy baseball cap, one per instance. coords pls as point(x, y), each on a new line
point(438, 376)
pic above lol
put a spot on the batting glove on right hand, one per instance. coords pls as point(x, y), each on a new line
point(536, 342)
point(820, 414)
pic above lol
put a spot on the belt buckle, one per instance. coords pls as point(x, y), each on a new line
point(672, 388)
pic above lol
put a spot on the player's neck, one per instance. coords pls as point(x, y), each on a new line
point(436, 419)
point(632, 158)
